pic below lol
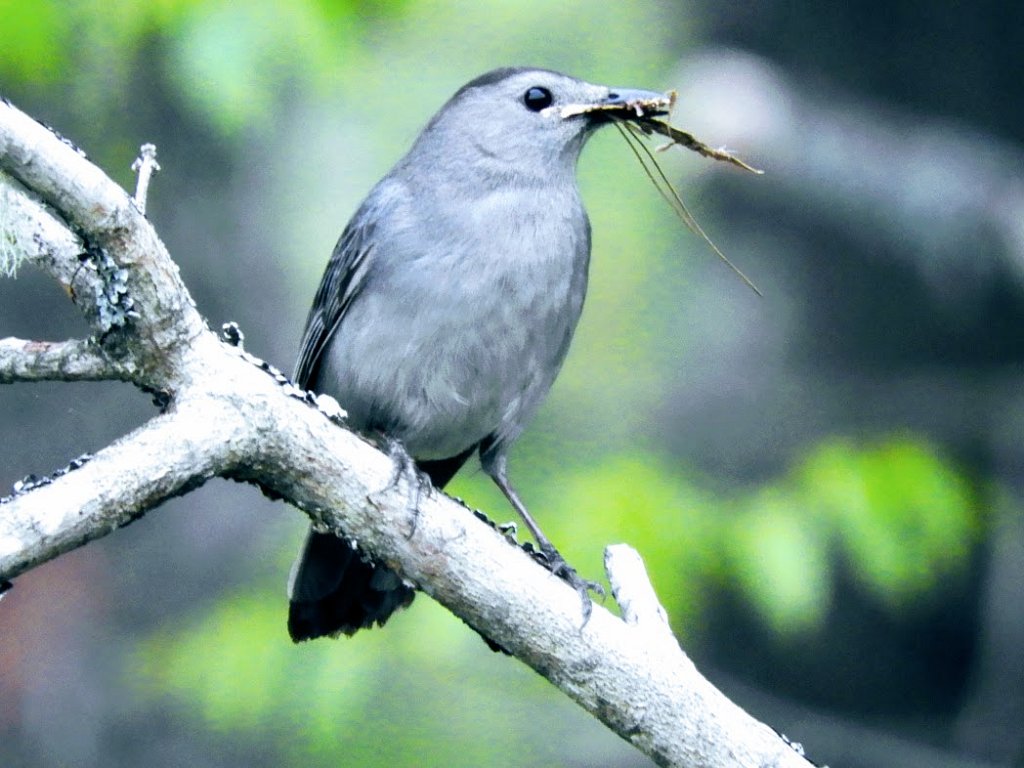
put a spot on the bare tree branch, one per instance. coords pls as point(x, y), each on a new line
point(226, 416)
point(72, 360)
point(161, 459)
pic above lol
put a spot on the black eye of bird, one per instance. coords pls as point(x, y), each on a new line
point(537, 98)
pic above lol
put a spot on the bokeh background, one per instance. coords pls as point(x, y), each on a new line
point(825, 483)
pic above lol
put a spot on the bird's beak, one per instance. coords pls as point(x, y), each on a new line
point(625, 103)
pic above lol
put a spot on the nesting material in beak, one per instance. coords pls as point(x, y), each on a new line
point(635, 119)
point(641, 107)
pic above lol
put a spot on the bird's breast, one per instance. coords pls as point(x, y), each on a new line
point(464, 340)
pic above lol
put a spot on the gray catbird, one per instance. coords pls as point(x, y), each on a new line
point(448, 305)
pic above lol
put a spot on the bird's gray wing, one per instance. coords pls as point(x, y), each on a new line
point(340, 284)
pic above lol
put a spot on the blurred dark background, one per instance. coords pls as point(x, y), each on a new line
point(825, 483)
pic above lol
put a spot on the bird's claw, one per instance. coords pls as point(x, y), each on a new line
point(403, 467)
point(552, 559)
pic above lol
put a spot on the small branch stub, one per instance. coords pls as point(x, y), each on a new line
point(145, 165)
point(632, 590)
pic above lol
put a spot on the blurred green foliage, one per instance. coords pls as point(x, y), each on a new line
point(901, 516)
point(896, 514)
point(229, 60)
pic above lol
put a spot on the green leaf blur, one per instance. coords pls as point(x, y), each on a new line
point(901, 515)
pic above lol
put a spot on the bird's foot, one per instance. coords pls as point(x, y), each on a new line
point(403, 467)
point(552, 559)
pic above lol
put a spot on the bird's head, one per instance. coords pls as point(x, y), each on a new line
point(529, 121)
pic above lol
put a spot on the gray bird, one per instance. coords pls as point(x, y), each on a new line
point(448, 306)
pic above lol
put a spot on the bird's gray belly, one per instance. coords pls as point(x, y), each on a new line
point(443, 365)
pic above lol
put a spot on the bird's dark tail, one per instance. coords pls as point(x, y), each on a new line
point(335, 589)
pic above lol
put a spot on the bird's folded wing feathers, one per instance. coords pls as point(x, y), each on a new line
point(340, 284)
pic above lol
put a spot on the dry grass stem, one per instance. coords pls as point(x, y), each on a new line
point(634, 136)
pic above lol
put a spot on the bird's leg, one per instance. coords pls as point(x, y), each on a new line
point(403, 466)
point(548, 556)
